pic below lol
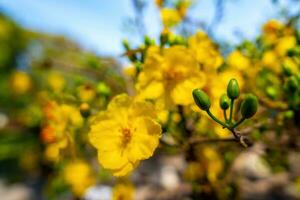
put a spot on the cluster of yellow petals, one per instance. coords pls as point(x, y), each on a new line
point(214, 163)
point(86, 92)
point(209, 163)
point(205, 51)
point(125, 134)
point(78, 175)
point(279, 38)
point(273, 30)
point(58, 120)
point(20, 82)
point(236, 60)
point(56, 81)
point(169, 76)
point(170, 17)
point(123, 191)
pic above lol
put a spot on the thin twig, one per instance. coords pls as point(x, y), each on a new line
point(197, 140)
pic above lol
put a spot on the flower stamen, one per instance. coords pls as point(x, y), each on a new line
point(126, 135)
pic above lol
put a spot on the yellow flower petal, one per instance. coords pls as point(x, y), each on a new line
point(144, 140)
point(125, 169)
point(114, 159)
point(182, 92)
point(119, 102)
point(142, 109)
point(152, 90)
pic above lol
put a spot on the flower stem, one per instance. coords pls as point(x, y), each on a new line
point(225, 115)
point(239, 122)
point(231, 110)
point(216, 119)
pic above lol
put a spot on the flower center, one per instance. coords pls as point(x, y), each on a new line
point(173, 75)
point(126, 135)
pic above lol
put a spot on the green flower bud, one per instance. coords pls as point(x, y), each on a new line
point(148, 41)
point(289, 114)
point(271, 92)
point(201, 99)
point(138, 67)
point(126, 44)
point(103, 89)
point(224, 102)
point(233, 90)
point(249, 106)
point(298, 77)
point(292, 84)
point(294, 51)
point(176, 40)
point(164, 38)
point(287, 70)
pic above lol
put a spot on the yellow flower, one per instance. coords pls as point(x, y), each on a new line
point(72, 115)
point(123, 191)
point(284, 44)
point(271, 61)
point(60, 122)
point(86, 93)
point(193, 171)
point(159, 3)
point(214, 163)
point(56, 81)
point(291, 64)
point(271, 30)
point(162, 116)
point(20, 82)
point(238, 61)
point(78, 175)
point(272, 26)
point(124, 134)
point(60, 117)
point(47, 134)
point(170, 17)
point(183, 6)
point(52, 152)
point(205, 51)
point(130, 71)
point(222, 132)
point(169, 76)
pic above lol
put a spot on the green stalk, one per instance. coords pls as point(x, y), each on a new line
point(216, 119)
point(231, 111)
point(238, 123)
point(225, 115)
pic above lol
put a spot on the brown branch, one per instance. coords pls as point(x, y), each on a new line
point(198, 140)
point(277, 105)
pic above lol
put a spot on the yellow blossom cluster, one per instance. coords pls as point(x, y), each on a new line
point(57, 127)
point(174, 14)
point(169, 76)
point(278, 39)
point(79, 176)
point(20, 82)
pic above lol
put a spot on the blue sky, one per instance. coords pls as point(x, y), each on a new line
point(98, 25)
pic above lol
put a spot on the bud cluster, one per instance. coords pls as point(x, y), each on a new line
point(248, 107)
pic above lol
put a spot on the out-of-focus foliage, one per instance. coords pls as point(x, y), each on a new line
point(48, 88)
